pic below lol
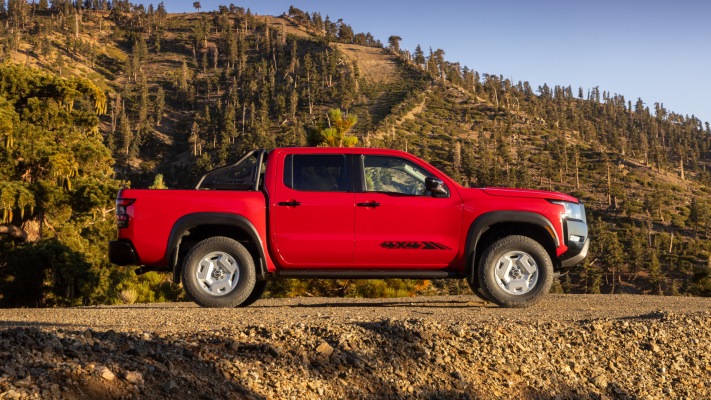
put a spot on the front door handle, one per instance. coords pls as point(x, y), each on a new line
point(292, 203)
point(369, 204)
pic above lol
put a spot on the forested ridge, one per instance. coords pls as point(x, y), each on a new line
point(97, 95)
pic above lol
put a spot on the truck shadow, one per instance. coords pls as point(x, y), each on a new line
point(344, 303)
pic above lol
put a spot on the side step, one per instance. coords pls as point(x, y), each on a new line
point(367, 274)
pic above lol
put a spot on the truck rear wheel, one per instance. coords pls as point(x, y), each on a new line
point(515, 271)
point(256, 294)
point(219, 272)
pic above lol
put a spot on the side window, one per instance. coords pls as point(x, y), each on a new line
point(393, 175)
point(316, 173)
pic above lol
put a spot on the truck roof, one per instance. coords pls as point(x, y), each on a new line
point(341, 150)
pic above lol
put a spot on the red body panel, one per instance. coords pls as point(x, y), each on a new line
point(155, 212)
point(395, 233)
point(480, 201)
point(528, 193)
point(329, 229)
point(317, 233)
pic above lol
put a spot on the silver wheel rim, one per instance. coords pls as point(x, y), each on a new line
point(218, 273)
point(516, 272)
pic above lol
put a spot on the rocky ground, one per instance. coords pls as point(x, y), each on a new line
point(568, 346)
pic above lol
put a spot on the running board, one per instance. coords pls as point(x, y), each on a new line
point(367, 274)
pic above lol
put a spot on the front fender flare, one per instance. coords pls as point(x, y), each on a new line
point(483, 222)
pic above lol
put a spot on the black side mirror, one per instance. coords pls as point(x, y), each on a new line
point(435, 186)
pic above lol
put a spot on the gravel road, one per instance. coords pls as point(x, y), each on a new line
point(568, 346)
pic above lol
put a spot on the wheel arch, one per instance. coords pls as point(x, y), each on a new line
point(489, 227)
point(192, 228)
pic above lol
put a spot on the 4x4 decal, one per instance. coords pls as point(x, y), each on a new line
point(414, 245)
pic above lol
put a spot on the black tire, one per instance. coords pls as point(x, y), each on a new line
point(256, 294)
point(218, 272)
point(515, 271)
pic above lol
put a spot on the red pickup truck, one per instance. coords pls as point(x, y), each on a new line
point(347, 213)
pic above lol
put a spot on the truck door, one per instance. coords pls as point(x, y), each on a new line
point(398, 222)
point(313, 210)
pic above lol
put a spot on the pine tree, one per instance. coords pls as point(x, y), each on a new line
point(183, 78)
point(194, 139)
point(158, 183)
point(157, 38)
point(71, 171)
point(432, 65)
point(635, 250)
point(59, 63)
point(610, 252)
point(159, 105)
point(656, 276)
point(419, 57)
point(394, 42)
point(335, 133)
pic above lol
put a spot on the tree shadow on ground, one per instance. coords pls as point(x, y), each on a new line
point(399, 346)
point(377, 359)
point(72, 360)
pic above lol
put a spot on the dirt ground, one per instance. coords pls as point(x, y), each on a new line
point(567, 346)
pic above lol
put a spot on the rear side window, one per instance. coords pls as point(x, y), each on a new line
point(316, 173)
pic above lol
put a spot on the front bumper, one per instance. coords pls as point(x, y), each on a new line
point(121, 252)
point(578, 242)
point(576, 259)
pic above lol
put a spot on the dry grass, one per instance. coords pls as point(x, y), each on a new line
point(375, 64)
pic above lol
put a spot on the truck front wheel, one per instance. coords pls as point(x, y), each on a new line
point(476, 288)
point(515, 271)
point(219, 272)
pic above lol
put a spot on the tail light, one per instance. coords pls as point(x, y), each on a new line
point(121, 213)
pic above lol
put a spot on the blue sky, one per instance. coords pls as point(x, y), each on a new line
point(657, 50)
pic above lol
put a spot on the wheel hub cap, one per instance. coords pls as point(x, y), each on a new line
point(516, 272)
point(217, 273)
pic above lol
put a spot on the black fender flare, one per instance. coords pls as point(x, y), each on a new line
point(189, 221)
point(483, 222)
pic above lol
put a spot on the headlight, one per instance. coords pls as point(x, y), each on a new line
point(572, 210)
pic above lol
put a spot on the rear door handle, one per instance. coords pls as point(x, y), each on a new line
point(292, 203)
point(369, 204)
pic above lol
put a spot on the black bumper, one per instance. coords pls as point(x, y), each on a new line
point(578, 258)
point(122, 253)
point(578, 242)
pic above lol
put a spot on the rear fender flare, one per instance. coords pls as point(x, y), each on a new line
point(190, 221)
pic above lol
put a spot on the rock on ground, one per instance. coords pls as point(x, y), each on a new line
point(443, 347)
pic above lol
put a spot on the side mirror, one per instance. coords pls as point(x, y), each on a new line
point(435, 186)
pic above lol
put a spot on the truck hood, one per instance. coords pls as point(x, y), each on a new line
point(528, 193)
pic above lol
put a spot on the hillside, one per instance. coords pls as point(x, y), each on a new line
point(187, 92)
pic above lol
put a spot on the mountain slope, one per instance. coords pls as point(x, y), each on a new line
point(190, 91)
